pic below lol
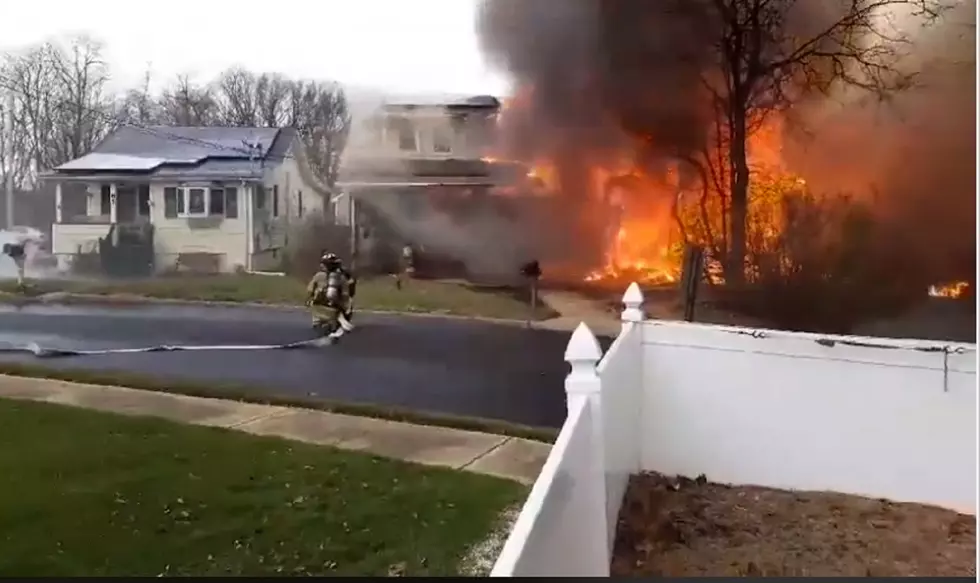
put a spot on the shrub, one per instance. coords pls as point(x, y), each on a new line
point(307, 243)
point(832, 266)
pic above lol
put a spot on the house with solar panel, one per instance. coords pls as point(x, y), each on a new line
point(152, 199)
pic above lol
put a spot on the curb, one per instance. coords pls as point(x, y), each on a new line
point(257, 396)
point(244, 416)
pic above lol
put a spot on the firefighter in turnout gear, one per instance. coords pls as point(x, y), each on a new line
point(330, 296)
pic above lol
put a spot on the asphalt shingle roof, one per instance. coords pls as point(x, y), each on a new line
point(163, 151)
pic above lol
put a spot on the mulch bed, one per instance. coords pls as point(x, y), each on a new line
point(682, 527)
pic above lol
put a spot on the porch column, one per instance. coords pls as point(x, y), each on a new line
point(113, 215)
point(57, 203)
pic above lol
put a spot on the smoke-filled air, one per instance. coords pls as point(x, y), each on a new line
point(756, 129)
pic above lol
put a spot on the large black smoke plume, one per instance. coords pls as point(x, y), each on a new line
point(595, 78)
point(915, 156)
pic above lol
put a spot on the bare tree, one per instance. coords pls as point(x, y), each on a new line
point(15, 159)
point(236, 90)
point(771, 54)
point(83, 114)
point(30, 76)
point(250, 100)
point(319, 112)
point(138, 106)
point(187, 104)
point(271, 99)
point(15, 149)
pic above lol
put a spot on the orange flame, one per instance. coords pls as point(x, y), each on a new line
point(949, 290)
point(643, 211)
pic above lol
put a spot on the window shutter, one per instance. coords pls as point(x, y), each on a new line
point(170, 203)
point(105, 200)
point(216, 202)
point(231, 203)
point(143, 208)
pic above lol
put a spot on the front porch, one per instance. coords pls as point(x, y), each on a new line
point(108, 204)
point(176, 219)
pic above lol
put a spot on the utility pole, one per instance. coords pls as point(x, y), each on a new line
point(8, 133)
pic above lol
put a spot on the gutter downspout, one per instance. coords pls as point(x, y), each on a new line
point(249, 225)
point(254, 155)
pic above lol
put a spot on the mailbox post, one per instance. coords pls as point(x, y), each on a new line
point(532, 274)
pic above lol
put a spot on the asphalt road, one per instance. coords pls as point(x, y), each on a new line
point(441, 365)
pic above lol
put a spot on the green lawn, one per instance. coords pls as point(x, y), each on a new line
point(372, 294)
point(96, 494)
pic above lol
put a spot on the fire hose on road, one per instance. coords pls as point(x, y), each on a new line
point(44, 352)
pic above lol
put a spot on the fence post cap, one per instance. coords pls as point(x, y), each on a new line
point(633, 304)
point(633, 297)
point(583, 346)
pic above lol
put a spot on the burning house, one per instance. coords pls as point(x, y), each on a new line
point(620, 109)
point(421, 172)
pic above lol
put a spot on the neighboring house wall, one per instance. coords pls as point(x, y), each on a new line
point(423, 132)
point(214, 234)
point(147, 172)
point(430, 133)
point(286, 201)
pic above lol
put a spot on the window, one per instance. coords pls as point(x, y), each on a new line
point(275, 200)
point(216, 202)
point(299, 203)
point(259, 197)
point(196, 202)
point(404, 132)
point(442, 141)
point(105, 200)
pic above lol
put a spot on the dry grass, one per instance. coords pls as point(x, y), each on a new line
point(378, 293)
point(677, 527)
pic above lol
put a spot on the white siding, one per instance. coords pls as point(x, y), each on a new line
point(271, 232)
point(174, 236)
point(70, 239)
point(226, 237)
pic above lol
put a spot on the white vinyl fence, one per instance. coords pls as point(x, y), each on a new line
point(883, 418)
point(568, 523)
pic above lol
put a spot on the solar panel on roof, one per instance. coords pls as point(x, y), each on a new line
point(97, 161)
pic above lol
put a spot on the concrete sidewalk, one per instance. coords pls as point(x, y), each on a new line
point(575, 308)
point(483, 453)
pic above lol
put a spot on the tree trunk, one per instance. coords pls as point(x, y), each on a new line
point(739, 184)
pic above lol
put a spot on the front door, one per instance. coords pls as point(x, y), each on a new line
point(125, 204)
point(132, 203)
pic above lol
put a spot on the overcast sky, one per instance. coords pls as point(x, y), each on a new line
point(407, 46)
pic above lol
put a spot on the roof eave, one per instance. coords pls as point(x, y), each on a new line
point(188, 177)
